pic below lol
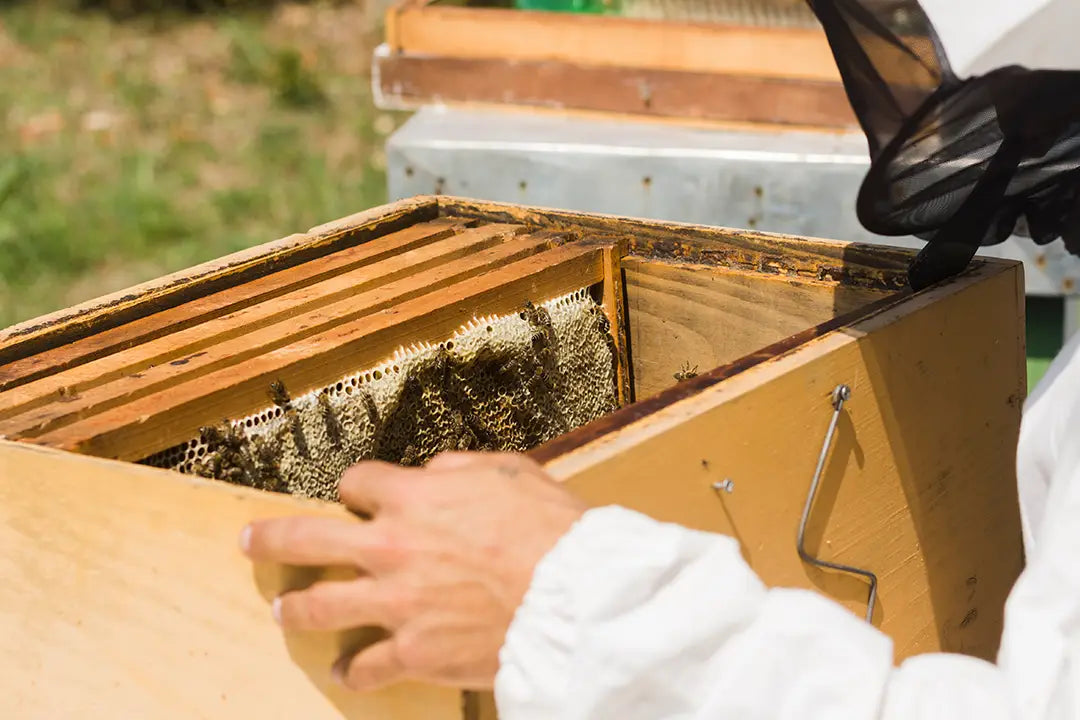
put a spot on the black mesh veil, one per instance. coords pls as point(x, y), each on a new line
point(959, 163)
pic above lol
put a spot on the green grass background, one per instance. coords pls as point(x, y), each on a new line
point(134, 146)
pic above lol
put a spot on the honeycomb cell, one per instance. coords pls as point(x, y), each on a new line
point(505, 383)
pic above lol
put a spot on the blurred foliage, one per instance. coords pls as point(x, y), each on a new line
point(136, 8)
point(133, 149)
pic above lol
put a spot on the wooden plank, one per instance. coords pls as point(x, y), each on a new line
point(304, 309)
point(220, 303)
point(480, 706)
point(919, 487)
point(688, 316)
point(572, 114)
point(125, 596)
point(65, 326)
point(490, 33)
point(614, 302)
point(405, 82)
point(267, 326)
point(851, 264)
point(156, 422)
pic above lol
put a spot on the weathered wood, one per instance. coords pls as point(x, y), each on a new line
point(261, 328)
point(687, 316)
point(489, 33)
point(406, 82)
point(220, 303)
point(480, 706)
point(65, 326)
point(155, 422)
point(919, 487)
point(125, 596)
point(614, 304)
point(850, 264)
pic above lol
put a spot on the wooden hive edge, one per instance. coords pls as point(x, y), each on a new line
point(227, 301)
point(569, 450)
point(937, 388)
point(404, 81)
point(269, 324)
point(60, 327)
point(146, 562)
point(427, 28)
point(150, 423)
point(882, 267)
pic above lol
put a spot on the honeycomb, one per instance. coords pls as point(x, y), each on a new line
point(505, 383)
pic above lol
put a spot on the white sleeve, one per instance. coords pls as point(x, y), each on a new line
point(630, 619)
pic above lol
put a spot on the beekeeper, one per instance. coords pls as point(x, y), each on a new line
point(489, 575)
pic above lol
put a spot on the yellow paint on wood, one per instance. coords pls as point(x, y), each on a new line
point(492, 33)
point(63, 326)
point(148, 424)
point(683, 315)
point(125, 595)
point(920, 485)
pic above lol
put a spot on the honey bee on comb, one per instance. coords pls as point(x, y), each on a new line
point(505, 383)
point(330, 419)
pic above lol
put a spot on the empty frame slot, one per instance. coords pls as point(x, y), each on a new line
point(685, 318)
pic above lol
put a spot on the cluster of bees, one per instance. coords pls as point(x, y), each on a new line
point(494, 399)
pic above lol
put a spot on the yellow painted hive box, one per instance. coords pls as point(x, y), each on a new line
point(688, 372)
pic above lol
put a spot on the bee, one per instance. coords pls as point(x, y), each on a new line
point(330, 419)
point(370, 408)
point(603, 322)
point(530, 313)
point(686, 372)
point(298, 434)
point(540, 341)
point(226, 458)
point(267, 466)
point(462, 436)
point(542, 318)
point(279, 395)
point(543, 330)
point(411, 456)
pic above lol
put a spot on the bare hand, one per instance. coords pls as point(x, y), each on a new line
point(443, 565)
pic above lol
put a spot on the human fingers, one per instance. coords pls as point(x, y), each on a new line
point(373, 485)
point(306, 541)
point(505, 463)
point(454, 460)
point(336, 605)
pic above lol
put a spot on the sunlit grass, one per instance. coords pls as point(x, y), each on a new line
point(132, 149)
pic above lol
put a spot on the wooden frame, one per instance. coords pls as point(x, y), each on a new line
point(698, 71)
point(428, 28)
point(404, 82)
point(262, 327)
point(919, 487)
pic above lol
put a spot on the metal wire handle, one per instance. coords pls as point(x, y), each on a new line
point(839, 396)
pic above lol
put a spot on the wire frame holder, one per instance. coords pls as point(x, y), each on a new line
point(840, 395)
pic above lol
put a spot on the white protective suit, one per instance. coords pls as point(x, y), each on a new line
point(630, 619)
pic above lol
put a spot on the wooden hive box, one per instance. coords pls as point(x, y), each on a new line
point(124, 589)
point(447, 51)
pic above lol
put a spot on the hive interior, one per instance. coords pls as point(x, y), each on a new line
point(506, 383)
point(405, 333)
